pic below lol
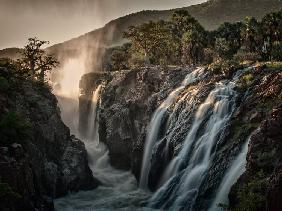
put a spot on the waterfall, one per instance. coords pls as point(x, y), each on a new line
point(236, 169)
point(156, 122)
point(92, 129)
point(185, 173)
point(119, 190)
point(193, 161)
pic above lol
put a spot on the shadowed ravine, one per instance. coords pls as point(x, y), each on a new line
point(118, 188)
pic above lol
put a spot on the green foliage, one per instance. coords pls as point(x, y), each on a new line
point(35, 61)
point(251, 34)
point(164, 42)
point(118, 58)
point(7, 195)
point(243, 55)
point(13, 128)
point(227, 39)
point(182, 40)
point(276, 51)
point(274, 65)
point(137, 59)
point(247, 79)
point(222, 48)
point(147, 37)
point(225, 67)
point(192, 47)
point(252, 195)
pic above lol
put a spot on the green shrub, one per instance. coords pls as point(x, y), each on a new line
point(137, 60)
point(243, 55)
point(247, 79)
point(14, 128)
point(224, 67)
point(276, 51)
point(252, 195)
point(274, 65)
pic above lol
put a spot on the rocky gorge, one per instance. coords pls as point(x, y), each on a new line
point(128, 100)
point(41, 161)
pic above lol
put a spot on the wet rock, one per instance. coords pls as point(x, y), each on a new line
point(264, 158)
point(128, 101)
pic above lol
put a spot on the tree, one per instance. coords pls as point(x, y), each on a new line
point(119, 57)
point(272, 33)
point(276, 51)
point(152, 39)
point(192, 47)
point(36, 61)
point(252, 35)
point(222, 48)
point(228, 38)
point(181, 23)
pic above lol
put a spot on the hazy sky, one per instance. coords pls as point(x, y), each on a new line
point(60, 20)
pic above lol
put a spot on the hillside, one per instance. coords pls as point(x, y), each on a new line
point(210, 14)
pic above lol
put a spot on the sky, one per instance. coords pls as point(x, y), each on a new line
point(61, 20)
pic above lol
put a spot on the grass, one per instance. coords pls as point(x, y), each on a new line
point(274, 65)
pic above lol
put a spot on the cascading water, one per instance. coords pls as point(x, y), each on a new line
point(193, 161)
point(156, 122)
point(186, 171)
point(119, 189)
point(236, 169)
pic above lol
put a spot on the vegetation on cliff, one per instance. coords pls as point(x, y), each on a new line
point(183, 41)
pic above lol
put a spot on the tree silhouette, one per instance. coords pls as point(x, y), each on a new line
point(35, 61)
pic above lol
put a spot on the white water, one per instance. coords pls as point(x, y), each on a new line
point(155, 124)
point(192, 162)
point(186, 171)
point(119, 189)
point(237, 168)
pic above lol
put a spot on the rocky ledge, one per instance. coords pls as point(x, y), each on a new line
point(39, 159)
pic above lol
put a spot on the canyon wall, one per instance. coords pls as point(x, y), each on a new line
point(39, 159)
point(129, 99)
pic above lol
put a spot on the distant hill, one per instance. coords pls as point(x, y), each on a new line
point(210, 14)
point(12, 53)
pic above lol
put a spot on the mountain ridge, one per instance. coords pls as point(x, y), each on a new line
point(210, 14)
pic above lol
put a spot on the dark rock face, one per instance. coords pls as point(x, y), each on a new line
point(264, 156)
point(128, 101)
point(50, 162)
point(254, 104)
point(88, 83)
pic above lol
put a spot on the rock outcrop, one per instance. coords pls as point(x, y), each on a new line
point(261, 184)
point(129, 98)
point(256, 97)
point(39, 159)
point(127, 103)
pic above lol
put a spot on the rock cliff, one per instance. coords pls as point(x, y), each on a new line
point(39, 159)
point(128, 101)
point(129, 98)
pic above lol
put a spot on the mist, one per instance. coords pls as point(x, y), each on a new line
point(60, 20)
